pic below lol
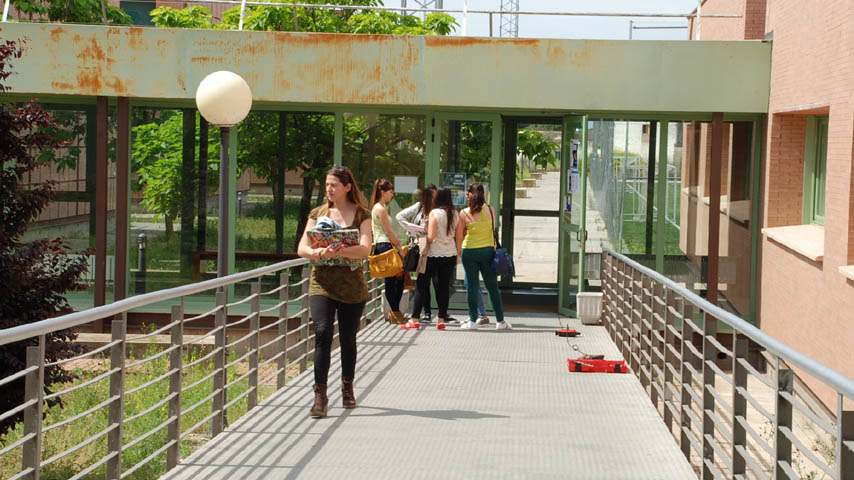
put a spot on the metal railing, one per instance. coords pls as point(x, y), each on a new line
point(673, 341)
point(224, 371)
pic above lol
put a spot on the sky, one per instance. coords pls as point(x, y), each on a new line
point(612, 28)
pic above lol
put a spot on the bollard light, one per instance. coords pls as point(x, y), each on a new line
point(224, 99)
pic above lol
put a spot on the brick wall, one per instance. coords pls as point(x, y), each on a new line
point(751, 25)
point(803, 303)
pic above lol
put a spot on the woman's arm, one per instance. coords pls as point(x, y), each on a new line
point(432, 227)
point(305, 250)
point(363, 249)
point(385, 222)
point(408, 214)
point(461, 231)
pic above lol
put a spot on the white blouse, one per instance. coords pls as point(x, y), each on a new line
point(444, 245)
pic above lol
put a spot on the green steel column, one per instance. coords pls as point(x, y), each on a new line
point(661, 196)
point(495, 170)
point(431, 167)
point(338, 148)
point(582, 203)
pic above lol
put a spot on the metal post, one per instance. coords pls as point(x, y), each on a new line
point(218, 422)
point(175, 365)
point(650, 187)
point(655, 350)
point(490, 24)
point(645, 346)
point(844, 433)
point(669, 360)
point(783, 418)
point(739, 405)
point(296, 20)
point(661, 195)
point(120, 284)
point(714, 208)
point(636, 316)
point(282, 363)
point(223, 247)
point(710, 329)
point(254, 326)
point(141, 264)
point(303, 321)
point(626, 322)
point(34, 391)
point(117, 390)
point(686, 380)
point(100, 213)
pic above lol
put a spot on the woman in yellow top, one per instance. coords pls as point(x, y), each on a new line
point(476, 245)
point(384, 240)
point(337, 288)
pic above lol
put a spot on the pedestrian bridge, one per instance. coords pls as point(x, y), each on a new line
point(226, 392)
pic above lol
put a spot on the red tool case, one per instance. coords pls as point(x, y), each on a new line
point(596, 363)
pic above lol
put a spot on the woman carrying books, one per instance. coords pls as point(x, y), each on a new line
point(337, 287)
point(417, 214)
point(384, 240)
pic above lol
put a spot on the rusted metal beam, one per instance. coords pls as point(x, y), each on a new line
point(715, 207)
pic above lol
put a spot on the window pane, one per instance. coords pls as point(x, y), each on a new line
point(820, 170)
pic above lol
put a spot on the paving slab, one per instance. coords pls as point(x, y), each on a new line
point(456, 404)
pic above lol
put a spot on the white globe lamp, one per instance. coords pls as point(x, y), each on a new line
point(224, 99)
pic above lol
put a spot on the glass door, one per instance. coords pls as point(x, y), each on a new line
point(571, 222)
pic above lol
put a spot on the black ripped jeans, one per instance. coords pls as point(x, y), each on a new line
point(323, 311)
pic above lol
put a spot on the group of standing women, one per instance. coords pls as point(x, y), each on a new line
point(450, 236)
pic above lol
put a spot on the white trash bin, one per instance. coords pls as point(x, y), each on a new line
point(589, 307)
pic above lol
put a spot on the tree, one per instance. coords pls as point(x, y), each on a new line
point(73, 11)
point(537, 148)
point(35, 274)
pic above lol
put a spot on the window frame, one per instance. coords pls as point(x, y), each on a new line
point(815, 169)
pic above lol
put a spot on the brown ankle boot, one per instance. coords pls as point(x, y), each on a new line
point(321, 402)
point(347, 395)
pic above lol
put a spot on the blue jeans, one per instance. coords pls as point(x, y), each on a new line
point(393, 285)
point(481, 310)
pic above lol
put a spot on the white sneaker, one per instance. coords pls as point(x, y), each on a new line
point(505, 325)
point(469, 326)
point(484, 320)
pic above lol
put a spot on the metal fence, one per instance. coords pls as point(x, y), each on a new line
point(231, 369)
point(675, 344)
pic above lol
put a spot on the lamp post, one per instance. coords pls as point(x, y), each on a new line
point(224, 99)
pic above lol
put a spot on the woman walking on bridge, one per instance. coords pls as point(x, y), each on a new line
point(476, 244)
point(335, 288)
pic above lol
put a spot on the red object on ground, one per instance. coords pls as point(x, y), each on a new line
point(566, 332)
point(597, 364)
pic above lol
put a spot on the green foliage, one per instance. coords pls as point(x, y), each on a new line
point(537, 147)
point(190, 17)
point(73, 11)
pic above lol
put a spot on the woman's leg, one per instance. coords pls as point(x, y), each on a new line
point(393, 285)
point(444, 272)
point(471, 268)
point(349, 315)
point(323, 316)
point(422, 295)
point(490, 280)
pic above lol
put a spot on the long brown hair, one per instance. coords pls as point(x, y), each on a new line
point(345, 176)
point(427, 199)
point(381, 186)
point(477, 198)
point(444, 202)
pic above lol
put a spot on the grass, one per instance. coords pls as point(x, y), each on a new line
point(634, 232)
point(65, 437)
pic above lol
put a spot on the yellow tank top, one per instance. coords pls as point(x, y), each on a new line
point(378, 230)
point(479, 233)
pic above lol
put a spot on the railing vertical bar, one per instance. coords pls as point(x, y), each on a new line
point(34, 390)
point(281, 378)
point(626, 321)
point(782, 418)
point(117, 390)
point(739, 404)
point(176, 357)
point(685, 403)
point(844, 433)
point(636, 315)
point(220, 339)
point(710, 329)
point(303, 321)
point(669, 361)
point(254, 327)
point(656, 346)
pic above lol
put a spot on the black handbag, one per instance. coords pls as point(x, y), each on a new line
point(410, 263)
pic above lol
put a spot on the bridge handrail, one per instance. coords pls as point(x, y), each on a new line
point(839, 382)
point(671, 339)
point(209, 380)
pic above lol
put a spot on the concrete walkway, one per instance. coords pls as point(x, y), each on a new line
point(456, 404)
